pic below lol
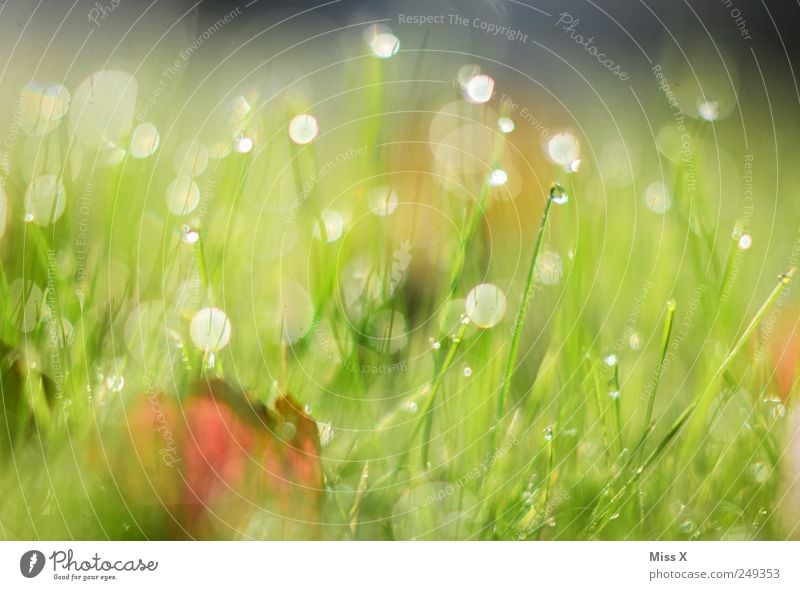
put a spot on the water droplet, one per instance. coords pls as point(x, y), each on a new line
point(573, 166)
point(189, 236)
point(210, 329)
point(505, 124)
point(183, 195)
point(115, 383)
point(563, 148)
point(687, 527)
point(411, 406)
point(467, 372)
point(614, 516)
point(745, 241)
point(657, 199)
point(558, 195)
point(708, 109)
point(243, 145)
point(613, 394)
point(382, 201)
point(548, 433)
point(479, 89)
point(435, 344)
point(486, 305)
point(610, 360)
point(144, 140)
point(303, 129)
point(384, 45)
point(498, 177)
point(775, 407)
point(28, 217)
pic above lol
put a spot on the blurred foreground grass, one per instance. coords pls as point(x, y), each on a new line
point(331, 248)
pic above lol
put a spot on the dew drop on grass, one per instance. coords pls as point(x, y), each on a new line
point(708, 109)
point(479, 89)
point(115, 383)
point(190, 159)
point(435, 344)
point(687, 527)
point(45, 200)
point(243, 145)
point(467, 372)
point(613, 394)
point(382, 201)
point(563, 148)
point(452, 317)
point(610, 360)
point(183, 195)
point(210, 329)
point(303, 129)
point(548, 433)
point(384, 45)
point(657, 199)
point(745, 241)
point(333, 224)
point(485, 305)
point(775, 407)
point(498, 177)
point(190, 236)
point(411, 406)
point(144, 140)
point(505, 124)
point(558, 195)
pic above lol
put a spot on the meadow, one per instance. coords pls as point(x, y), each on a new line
point(478, 317)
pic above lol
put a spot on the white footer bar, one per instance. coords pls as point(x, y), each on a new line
point(351, 566)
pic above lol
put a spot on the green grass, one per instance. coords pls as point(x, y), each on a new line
point(526, 430)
